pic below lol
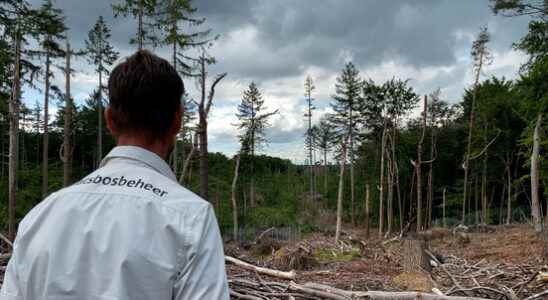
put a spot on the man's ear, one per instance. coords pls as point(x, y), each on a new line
point(110, 123)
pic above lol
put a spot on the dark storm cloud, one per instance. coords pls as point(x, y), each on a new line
point(274, 42)
point(293, 34)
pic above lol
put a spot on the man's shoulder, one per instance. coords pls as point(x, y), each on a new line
point(140, 182)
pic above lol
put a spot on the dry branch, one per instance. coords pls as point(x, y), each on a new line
point(275, 273)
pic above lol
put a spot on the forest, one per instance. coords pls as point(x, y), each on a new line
point(386, 162)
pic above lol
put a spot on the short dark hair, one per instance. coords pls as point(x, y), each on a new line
point(144, 95)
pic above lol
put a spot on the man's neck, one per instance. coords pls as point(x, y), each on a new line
point(158, 148)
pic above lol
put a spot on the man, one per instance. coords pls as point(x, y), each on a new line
point(128, 230)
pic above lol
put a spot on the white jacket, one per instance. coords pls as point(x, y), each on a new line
point(128, 231)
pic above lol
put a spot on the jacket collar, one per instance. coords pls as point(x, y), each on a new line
point(142, 155)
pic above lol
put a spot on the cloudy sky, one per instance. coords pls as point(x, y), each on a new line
point(277, 43)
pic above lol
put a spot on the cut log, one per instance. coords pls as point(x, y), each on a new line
point(327, 292)
point(414, 257)
point(291, 275)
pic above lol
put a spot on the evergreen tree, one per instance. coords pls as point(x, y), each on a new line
point(102, 55)
point(143, 11)
point(252, 122)
point(348, 98)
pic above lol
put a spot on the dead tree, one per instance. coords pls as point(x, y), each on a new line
point(204, 106)
point(417, 165)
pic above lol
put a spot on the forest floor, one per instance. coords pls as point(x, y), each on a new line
point(505, 259)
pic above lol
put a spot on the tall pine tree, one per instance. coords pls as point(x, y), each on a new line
point(348, 99)
point(252, 122)
point(102, 55)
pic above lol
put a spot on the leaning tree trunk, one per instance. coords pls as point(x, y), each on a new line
point(340, 192)
point(67, 132)
point(535, 208)
point(14, 139)
point(233, 199)
point(45, 140)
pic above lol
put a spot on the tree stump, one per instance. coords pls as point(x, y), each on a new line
point(414, 257)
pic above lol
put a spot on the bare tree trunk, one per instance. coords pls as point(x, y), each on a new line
point(14, 138)
point(100, 120)
point(466, 164)
point(429, 196)
point(535, 207)
point(397, 181)
point(390, 196)
point(503, 196)
point(483, 218)
point(381, 180)
point(326, 171)
point(340, 192)
point(367, 210)
point(476, 200)
point(188, 160)
point(204, 174)
point(233, 199)
point(67, 132)
point(509, 203)
point(175, 153)
point(443, 205)
point(352, 183)
point(45, 140)
point(418, 166)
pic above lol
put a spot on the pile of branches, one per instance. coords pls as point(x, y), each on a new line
point(275, 290)
point(483, 279)
point(251, 284)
